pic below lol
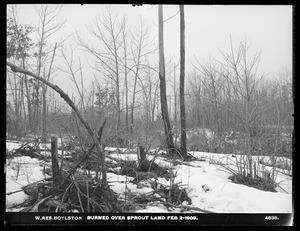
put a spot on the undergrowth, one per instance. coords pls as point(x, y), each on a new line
point(256, 182)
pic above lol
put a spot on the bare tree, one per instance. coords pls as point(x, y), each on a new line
point(195, 101)
point(19, 46)
point(182, 77)
point(74, 71)
point(67, 99)
point(175, 92)
point(241, 71)
point(140, 42)
point(153, 86)
point(126, 73)
point(107, 31)
point(212, 80)
point(293, 134)
point(49, 24)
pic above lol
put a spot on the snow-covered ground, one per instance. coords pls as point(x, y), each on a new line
point(206, 182)
point(21, 171)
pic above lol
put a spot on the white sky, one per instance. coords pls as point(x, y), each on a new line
point(208, 27)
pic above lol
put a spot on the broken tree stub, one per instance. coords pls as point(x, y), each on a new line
point(54, 157)
point(144, 164)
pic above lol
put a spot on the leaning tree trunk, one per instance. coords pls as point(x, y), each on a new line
point(163, 94)
point(94, 136)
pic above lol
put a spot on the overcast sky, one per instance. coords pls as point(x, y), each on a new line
point(208, 28)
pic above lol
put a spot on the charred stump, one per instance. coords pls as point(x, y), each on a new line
point(141, 153)
point(54, 157)
point(144, 164)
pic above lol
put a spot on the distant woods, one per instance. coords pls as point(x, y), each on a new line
point(223, 94)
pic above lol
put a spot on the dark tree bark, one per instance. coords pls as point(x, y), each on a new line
point(175, 98)
point(142, 153)
point(293, 135)
point(182, 76)
point(55, 168)
point(163, 94)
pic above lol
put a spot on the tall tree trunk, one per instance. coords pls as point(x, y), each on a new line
point(115, 50)
point(39, 67)
point(126, 101)
point(126, 83)
point(175, 99)
point(182, 76)
point(200, 108)
point(118, 97)
point(163, 94)
point(293, 134)
point(154, 104)
point(150, 100)
point(248, 138)
point(44, 91)
point(21, 97)
point(16, 100)
point(27, 97)
point(132, 105)
point(44, 123)
point(216, 117)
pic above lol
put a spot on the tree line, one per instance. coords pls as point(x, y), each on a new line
point(136, 88)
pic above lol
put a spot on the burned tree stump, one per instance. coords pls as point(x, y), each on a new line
point(144, 164)
point(54, 157)
point(141, 153)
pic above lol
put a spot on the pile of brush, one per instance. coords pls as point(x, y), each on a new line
point(76, 194)
point(262, 183)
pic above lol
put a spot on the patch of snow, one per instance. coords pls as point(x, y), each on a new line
point(127, 157)
point(12, 145)
point(224, 196)
point(159, 208)
point(20, 171)
point(161, 161)
point(45, 146)
point(112, 149)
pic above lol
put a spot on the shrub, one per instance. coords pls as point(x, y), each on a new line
point(197, 142)
point(263, 183)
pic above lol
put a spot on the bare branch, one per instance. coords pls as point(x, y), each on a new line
point(93, 135)
point(171, 16)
